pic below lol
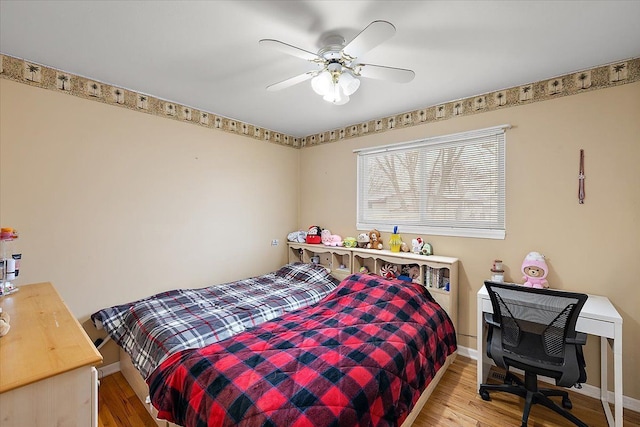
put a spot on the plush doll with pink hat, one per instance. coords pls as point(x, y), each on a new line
point(535, 269)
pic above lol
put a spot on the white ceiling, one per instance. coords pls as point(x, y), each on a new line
point(205, 54)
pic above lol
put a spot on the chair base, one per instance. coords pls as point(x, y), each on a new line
point(533, 395)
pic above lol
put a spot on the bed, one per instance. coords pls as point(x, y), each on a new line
point(368, 353)
point(151, 329)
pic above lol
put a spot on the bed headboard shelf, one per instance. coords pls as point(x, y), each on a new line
point(436, 272)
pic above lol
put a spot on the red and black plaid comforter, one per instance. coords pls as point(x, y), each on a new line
point(361, 356)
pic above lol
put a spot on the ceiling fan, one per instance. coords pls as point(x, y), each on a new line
point(338, 68)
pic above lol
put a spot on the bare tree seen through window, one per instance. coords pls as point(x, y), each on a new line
point(440, 184)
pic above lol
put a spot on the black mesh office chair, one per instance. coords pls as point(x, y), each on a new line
point(534, 330)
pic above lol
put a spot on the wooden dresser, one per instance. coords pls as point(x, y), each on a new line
point(47, 363)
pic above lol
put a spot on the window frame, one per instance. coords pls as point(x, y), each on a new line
point(443, 140)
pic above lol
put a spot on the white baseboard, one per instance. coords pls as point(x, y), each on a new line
point(105, 370)
point(471, 353)
point(587, 390)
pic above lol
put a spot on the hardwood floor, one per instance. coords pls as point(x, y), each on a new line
point(455, 402)
point(118, 405)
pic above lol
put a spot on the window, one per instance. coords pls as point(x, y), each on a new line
point(451, 185)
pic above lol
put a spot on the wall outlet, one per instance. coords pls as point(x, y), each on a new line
point(274, 242)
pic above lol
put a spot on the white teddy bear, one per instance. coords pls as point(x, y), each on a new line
point(416, 245)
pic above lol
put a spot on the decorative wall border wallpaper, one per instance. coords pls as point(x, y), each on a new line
point(599, 77)
point(38, 75)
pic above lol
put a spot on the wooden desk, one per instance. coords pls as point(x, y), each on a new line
point(47, 373)
point(598, 317)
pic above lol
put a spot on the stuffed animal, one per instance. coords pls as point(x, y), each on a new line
point(313, 235)
point(350, 242)
point(389, 271)
point(427, 249)
point(374, 240)
point(535, 270)
point(363, 240)
point(4, 323)
point(329, 239)
point(416, 245)
point(297, 236)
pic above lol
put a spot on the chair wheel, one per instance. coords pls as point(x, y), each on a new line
point(485, 395)
point(566, 403)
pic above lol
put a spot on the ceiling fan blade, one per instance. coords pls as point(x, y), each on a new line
point(291, 81)
point(289, 49)
point(374, 34)
point(380, 72)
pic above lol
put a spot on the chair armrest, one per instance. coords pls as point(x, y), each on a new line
point(580, 339)
point(488, 318)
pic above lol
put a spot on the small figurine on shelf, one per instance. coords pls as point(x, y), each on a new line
point(364, 270)
point(535, 270)
point(497, 273)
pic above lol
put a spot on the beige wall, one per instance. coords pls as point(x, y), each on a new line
point(591, 248)
point(113, 205)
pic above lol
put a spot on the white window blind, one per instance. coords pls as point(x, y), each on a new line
point(447, 185)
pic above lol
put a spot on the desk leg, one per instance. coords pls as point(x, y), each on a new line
point(617, 373)
point(483, 364)
point(604, 381)
point(480, 350)
point(604, 384)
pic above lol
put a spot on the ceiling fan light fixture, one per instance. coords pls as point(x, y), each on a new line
point(322, 84)
point(348, 83)
point(336, 96)
point(335, 84)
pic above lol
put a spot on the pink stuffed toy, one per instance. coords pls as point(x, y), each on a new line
point(534, 268)
point(329, 239)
